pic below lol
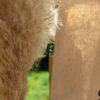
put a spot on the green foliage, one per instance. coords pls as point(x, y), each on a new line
point(38, 84)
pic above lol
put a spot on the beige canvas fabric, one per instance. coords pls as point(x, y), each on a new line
point(76, 64)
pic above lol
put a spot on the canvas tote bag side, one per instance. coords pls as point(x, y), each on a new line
point(76, 63)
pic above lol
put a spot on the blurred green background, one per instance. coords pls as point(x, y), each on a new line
point(38, 86)
point(38, 81)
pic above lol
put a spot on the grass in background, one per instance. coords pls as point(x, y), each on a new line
point(38, 84)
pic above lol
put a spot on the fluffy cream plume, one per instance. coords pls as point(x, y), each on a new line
point(25, 27)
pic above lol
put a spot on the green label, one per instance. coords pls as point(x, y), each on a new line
point(50, 48)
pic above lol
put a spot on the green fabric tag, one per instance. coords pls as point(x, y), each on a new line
point(50, 48)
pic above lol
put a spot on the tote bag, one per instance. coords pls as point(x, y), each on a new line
point(76, 63)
